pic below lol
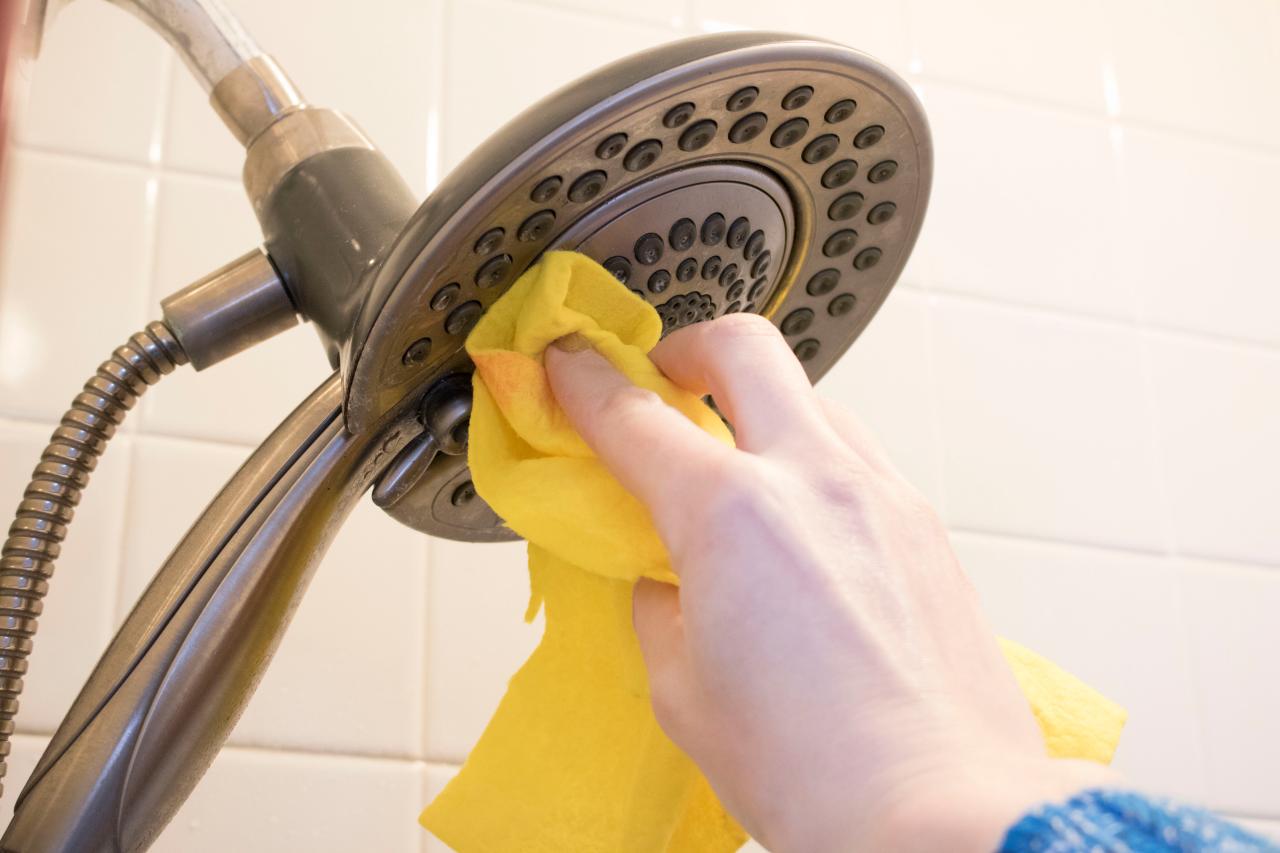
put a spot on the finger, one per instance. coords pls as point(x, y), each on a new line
point(653, 449)
point(744, 363)
point(655, 612)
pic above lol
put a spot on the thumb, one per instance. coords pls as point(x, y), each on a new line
point(655, 612)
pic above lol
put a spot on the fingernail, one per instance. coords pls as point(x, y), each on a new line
point(572, 342)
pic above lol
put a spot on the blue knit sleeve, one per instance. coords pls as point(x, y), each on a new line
point(1102, 821)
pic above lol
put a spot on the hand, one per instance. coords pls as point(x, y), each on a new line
point(824, 660)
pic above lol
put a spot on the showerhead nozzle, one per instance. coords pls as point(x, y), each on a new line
point(754, 172)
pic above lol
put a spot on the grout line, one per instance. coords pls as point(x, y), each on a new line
point(311, 752)
point(303, 751)
point(603, 14)
point(1034, 539)
point(444, 155)
point(1229, 563)
point(1196, 679)
point(151, 251)
point(1101, 115)
point(438, 24)
point(155, 169)
point(116, 603)
point(1157, 454)
point(160, 133)
point(1101, 321)
point(909, 14)
point(20, 420)
point(424, 643)
point(443, 21)
point(935, 409)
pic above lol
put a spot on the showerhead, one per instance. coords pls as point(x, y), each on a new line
point(755, 172)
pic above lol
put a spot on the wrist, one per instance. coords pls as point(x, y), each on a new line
point(966, 803)
point(970, 807)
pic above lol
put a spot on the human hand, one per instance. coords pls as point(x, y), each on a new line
point(824, 660)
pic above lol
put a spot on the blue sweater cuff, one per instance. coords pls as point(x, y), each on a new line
point(1101, 821)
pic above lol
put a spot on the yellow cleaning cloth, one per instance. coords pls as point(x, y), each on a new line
point(573, 761)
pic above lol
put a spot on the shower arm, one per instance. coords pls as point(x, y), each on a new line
point(172, 683)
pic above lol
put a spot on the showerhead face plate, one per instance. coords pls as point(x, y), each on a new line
point(756, 172)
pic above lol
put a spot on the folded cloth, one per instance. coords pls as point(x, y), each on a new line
point(573, 759)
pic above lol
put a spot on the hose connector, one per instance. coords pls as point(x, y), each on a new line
point(230, 310)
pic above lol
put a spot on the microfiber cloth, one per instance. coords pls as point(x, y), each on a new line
point(573, 759)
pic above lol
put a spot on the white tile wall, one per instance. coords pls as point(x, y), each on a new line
point(476, 639)
point(1234, 636)
point(888, 380)
point(1043, 427)
point(1084, 373)
point(1218, 417)
point(879, 29)
point(492, 72)
point(1116, 619)
point(1054, 52)
point(1205, 68)
point(992, 170)
point(1198, 218)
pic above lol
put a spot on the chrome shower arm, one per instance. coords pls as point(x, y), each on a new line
point(173, 682)
point(247, 89)
point(210, 40)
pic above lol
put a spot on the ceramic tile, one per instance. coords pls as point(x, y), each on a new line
point(879, 29)
point(377, 707)
point(73, 277)
point(1117, 621)
point(476, 639)
point(360, 621)
point(1205, 67)
point(26, 751)
point(197, 140)
point(1009, 222)
point(481, 94)
point(1216, 276)
point(670, 13)
point(436, 777)
point(203, 224)
point(1044, 428)
point(98, 86)
point(77, 619)
point(1216, 406)
point(371, 61)
point(1234, 635)
point(170, 483)
point(253, 800)
point(1053, 53)
point(886, 381)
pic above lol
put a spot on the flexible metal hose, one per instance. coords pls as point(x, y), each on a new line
point(49, 501)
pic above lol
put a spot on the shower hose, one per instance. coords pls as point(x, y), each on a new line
point(50, 498)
